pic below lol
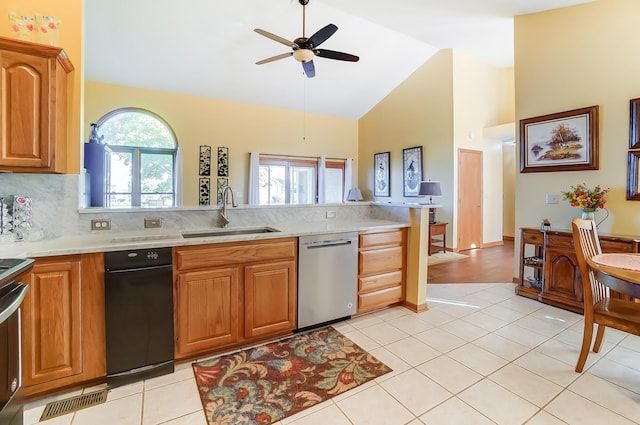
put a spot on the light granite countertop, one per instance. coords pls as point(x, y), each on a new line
point(104, 241)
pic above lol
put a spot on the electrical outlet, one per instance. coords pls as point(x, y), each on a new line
point(152, 223)
point(101, 224)
point(552, 198)
point(331, 214)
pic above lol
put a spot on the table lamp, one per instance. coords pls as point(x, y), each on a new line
point(354, 195)
point(430, 189)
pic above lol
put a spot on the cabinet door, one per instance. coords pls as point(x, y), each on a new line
point(25, 117)
point(52, 325)
point(562, 280)
point(209, 309)
point(270, 298)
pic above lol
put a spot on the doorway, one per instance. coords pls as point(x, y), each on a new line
point(469, 199)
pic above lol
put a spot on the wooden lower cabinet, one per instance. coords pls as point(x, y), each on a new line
point(63, 325)
point(270, 298)
point(381, 269)
point(200, 294)
point(562, 280)
point(229, 294)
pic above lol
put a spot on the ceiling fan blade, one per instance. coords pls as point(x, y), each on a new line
point(274, 58)
point(322, 35)
point(275, 38)
point(330, 54)
point(309, 69)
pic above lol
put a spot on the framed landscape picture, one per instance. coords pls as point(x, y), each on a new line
point(412, 170)
point(564, 141)
point(381, 174)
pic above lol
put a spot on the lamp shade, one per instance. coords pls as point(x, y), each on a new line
point(430, 188)
point(354, 195)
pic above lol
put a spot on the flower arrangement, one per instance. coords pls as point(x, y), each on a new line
point(580, 196)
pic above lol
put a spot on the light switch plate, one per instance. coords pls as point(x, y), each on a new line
point(552, 198)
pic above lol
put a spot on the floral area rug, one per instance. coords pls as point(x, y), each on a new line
point(265, 384)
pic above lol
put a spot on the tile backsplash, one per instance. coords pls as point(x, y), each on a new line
point(56, 211)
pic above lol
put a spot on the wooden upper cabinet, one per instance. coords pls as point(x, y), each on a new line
point(33, 107)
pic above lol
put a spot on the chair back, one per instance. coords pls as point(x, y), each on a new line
point(587, 245)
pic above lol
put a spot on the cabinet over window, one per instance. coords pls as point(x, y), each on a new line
point(33, 107)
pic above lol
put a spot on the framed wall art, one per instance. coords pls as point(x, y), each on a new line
point(204, 163)
point(381, 174)
point(204, 185)
point(564, 141)
point(222, 182)
point(411, 170)
point(223, 161)
point(634, 120)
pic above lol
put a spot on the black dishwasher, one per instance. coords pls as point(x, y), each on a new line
point(138, 314)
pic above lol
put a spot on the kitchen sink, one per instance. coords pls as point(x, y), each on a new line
point(229, 232)
point(144, 238)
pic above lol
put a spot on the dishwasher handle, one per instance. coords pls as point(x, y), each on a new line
point(328, 244)
point(139, 269)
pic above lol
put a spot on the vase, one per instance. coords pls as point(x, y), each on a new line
point(589, 214)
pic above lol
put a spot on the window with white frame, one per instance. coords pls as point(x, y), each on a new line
point(288, 180)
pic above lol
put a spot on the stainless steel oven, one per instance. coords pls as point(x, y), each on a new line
point(12, 293)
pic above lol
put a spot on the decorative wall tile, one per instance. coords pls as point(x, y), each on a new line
point(223, 161)
point(221, 184)
point(204, 184)
point(205, 161)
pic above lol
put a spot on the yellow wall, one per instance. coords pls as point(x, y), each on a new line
point(241, 127)
point(71, 30)
point(482, 98)
point(437, 107)
point(419, 112)
point(590, 58)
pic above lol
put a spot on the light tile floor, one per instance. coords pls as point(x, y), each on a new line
point(479, 355)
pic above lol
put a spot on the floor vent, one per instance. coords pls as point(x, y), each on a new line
point(73, 404)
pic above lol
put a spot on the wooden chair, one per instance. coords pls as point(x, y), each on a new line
point(599, 308)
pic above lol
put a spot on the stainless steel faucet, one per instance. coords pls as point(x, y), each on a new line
point(224, 220)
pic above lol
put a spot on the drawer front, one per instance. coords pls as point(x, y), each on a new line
point(380, 260)
point(194, 257)
point(384, 238)
point(379, 299)
point(560, 241)
point(374, 283)
point(536, 238)
point(615, 246)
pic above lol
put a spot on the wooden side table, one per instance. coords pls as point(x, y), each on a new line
point(437, 229)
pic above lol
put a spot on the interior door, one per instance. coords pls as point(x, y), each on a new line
point(469, 199)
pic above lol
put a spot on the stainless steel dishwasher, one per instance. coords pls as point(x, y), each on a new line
point(138, 314)
point(327, 278)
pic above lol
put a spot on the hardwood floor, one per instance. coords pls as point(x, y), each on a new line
point(486, 265)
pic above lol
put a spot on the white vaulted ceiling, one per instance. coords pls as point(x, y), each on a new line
point(208, 47)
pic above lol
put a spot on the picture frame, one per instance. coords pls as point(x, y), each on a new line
point(204, 187)
point(564, 141)
point(633, 176)
point(634, 119)
point(382, 174)
point(411, 170)
point(204, 161)
point(223, 161)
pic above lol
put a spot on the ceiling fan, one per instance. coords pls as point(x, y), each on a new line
point(305, 49)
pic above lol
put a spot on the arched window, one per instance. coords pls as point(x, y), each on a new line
point(140, 159)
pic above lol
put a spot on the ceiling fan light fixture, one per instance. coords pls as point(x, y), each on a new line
point(303, 55)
